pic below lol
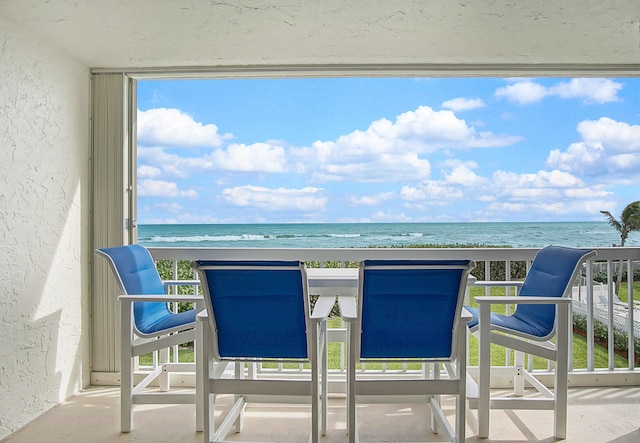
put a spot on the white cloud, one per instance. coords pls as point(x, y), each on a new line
point(172, 127)
point(607, 148)
point(392, 151)
point(146, 171)
point(385, 152)
point(510, 182)
point(545, 193)
point(586, 193)
point(463, 104)
point(390, 217)
point(307, 199)
point(184, 217)
point(170, 165)
point(463, 175)
point(590, 90)
point(372, 200)
point(430, 129)
point(430, 192)
point(171, 207)
point(545, 209)
point(523, 92)
point(160, 188)
point(258, 157)
point(582, 158)
point(377, 168)
point(618, 136)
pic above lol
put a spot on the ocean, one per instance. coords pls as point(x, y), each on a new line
point(345, 235)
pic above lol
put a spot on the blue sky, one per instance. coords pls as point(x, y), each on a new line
point(386, 149)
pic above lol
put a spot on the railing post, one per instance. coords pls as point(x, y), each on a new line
point(631, 321)
point(606, 259)
point(610, 335)
point(590, 327)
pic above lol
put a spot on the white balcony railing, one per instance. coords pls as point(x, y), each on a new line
point(601, 314)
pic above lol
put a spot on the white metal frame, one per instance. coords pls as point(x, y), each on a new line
point(247, 388)
point(428, 388)
point(558, 352)
point(480, 397)
point(133, 345)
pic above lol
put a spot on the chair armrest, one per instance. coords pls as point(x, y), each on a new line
point(347, 305)
point(202, 315)
point(516, 299)
point(181, 282)
point(167, 283)
point(495, 283)
point(465, 316)
point(322, 308)
point(161, 298)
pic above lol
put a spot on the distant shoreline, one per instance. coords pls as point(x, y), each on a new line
point(343, 235)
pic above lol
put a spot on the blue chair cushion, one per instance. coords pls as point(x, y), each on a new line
point(409, 313)
point(508, 322)
point(137, 275)
point(158, 323)
point(259, 313)
point(549, 276)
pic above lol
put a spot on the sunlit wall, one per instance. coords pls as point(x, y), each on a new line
point(44, 164)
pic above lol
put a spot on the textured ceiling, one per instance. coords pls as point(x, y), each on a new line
point(143, 34)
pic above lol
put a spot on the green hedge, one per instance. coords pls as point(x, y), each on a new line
point(601, 335)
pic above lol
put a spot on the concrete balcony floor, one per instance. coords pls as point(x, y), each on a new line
point(595, 415)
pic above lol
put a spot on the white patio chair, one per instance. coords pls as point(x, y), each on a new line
point(259, 311)
point(149, 326)
point(543, 311)
point(409, 310)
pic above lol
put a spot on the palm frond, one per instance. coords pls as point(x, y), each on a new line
point(612, 221)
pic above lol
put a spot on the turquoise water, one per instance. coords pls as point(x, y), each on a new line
point(341, 235)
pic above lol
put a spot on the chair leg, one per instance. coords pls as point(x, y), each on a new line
point(325, 377)
point(352, 427)
point(126, 368)
point(560, 410)
point(315, 386)
point(461, 374)
point(484, 367)
point(201, 376)
point(518, 379)
point(239, 369)
point(435, 375)
point(164, 374)
point(126, 395)
point(561, 376)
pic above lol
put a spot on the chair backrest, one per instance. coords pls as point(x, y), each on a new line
point(136, 274)
point(410, 309)
point(256, 309)
point(552, 274)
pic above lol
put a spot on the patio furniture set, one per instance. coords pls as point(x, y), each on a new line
point(394, 310)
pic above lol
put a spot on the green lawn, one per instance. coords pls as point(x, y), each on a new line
point(497, 354)
point(624, 292)
point(579, 344)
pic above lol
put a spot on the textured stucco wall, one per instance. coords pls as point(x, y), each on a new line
point(438, 33)
point(44, 196)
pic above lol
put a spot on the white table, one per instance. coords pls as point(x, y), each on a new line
point(329, 282)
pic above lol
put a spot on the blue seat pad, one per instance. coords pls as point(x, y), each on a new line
point(409, 313)
point(138, 275)
point(260, 312)
point(508, 322)
point(167, 321)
